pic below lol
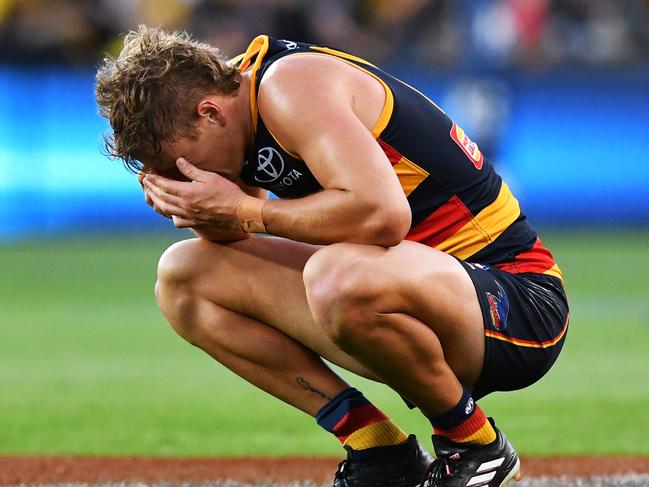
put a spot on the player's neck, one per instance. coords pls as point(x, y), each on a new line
point(244, 108)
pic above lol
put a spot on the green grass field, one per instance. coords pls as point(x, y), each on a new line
point(89, 366)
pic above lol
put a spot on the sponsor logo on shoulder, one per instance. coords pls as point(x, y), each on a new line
point(469, 147)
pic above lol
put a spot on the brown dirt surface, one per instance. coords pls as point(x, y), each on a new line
point(60, 469)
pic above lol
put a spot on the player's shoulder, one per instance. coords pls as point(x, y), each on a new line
point(301, 77)
point(299, 90)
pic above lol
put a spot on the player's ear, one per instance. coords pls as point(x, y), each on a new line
point(210, 111)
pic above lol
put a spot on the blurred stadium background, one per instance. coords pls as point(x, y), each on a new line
point(555, 92)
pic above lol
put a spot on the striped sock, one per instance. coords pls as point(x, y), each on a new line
point(357, 423)
point(464, 423)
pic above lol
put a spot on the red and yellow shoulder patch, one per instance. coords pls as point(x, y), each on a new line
point(469, 147)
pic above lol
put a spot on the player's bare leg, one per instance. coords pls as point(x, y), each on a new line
point(222, 298)
point(409, 313)
point(419, 301)
point(245, 304)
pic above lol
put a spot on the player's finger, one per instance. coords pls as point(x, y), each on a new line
point(168, 209)
point(155, 205)
point(180, 222)
point(165, 184)
point(159, 211)
point(190, 171)
point(156, 208)
point(161, 194)
point(147, 197)
point(169, 204)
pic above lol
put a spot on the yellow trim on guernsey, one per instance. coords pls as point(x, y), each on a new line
point(236, 59)
point(258, 47)
point(485, 227)
point(341, 54)
point(410, 174)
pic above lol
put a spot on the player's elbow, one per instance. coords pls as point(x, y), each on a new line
point(389, 225)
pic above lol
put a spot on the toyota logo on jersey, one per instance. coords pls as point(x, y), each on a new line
point(270, 165)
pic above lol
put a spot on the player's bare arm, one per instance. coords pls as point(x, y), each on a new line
point(308, 104)
point(322, 110)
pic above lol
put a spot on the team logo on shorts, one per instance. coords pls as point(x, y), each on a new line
point(469, 147)
point(498, 308)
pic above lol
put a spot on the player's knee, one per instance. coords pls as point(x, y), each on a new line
point(177, 269)
point(179, 308)
point(341, 292)
point(178, 263)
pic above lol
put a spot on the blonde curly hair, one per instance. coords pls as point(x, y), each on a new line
point(150, 90)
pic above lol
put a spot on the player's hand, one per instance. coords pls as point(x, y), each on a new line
point(140, 179)
point(208, 200)
point(147, 197)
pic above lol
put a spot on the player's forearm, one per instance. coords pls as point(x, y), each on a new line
point(216, 235)
point(333, 216)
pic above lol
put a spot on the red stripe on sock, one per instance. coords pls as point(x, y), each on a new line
point(356, 419)
point(467, 428)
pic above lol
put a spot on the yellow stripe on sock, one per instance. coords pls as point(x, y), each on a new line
point(382, 433)
point(483, 436)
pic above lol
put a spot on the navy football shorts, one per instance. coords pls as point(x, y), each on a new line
point(525, 324)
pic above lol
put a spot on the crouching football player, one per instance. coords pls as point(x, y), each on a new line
point(394, 250)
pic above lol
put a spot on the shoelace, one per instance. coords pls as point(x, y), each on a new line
point(437, 470)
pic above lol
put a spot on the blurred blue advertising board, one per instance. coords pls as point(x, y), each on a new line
point(573, 146)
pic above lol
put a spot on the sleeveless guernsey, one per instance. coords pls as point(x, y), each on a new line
point(459, 204)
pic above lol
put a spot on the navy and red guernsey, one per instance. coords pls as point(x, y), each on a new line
point(459, 204)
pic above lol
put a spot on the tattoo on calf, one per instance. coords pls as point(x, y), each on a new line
point(308, 387)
